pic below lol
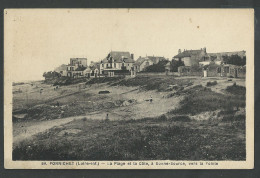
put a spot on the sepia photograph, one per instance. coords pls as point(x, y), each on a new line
point(129, 88)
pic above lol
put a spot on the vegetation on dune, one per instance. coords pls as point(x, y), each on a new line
point(209, 84)
point(51, 75)
point(152, 83)
point(236, 89)
point(63, 81)
point(108, 80)
point(148, 139)
point(201, 99)
point(172, 136)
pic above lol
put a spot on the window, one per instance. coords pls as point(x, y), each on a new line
point(107, 65)
point(114, 65)
point(102, 65)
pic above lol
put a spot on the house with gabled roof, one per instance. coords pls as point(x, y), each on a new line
point(92, 70)
point(117, 61)
point(143, 62)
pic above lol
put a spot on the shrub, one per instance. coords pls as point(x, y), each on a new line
point(209, 84)
point(175, 64)
point(181, 118)
point(159, 67)
point(236, 89)
point(202, 100)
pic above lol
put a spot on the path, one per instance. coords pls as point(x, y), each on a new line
point(25, 132)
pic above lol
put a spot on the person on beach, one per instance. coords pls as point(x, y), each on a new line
point(107, 117)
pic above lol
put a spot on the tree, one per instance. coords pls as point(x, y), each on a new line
point(51, 74)
point(235, 60)
point(159, 67)
point(175, 64)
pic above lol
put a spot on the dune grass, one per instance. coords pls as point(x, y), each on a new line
point(148, 139)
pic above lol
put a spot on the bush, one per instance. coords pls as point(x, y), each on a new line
point(236, 89)
point(232, 118)
point(181, 118)
point(103, 92)
point(209, 84)
point(202, 100)
point(175, 64)
point(235, 60)
point(159, 67)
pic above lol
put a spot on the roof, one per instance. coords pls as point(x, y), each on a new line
point(140, 60)
point(189, 53)
point(119, 57)
point(94, 65)
point(81, 68)
point(78, 58)
point(168, 64)
point(87, 70)
point(154, 59)
point(239, 53)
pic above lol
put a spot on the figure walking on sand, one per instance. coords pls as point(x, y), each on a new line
point(107, 119)
point(151, 99)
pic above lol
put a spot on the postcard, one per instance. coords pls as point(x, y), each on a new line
point(129, 88)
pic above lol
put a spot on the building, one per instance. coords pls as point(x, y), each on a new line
point(191, 57)
point(214, 70)
point(201, 57)
point(93, 70)
point(76, 67)
point(143, 62)
point(117, 61)
point(78, 62)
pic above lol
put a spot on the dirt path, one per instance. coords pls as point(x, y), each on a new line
point(26, 130)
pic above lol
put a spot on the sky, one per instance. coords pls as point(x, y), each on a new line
point(38, 40)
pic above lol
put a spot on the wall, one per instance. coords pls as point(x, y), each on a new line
point(189, 71)
point(129, 65)
point(187, 61)
point(64, 73)
point(156, 73)
point(204, 63)
point(214, 71)
point(116, 66)
point(241, 71)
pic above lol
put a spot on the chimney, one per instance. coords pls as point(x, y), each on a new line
point(132, 56)
point(204, 49)
point(179, 51)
